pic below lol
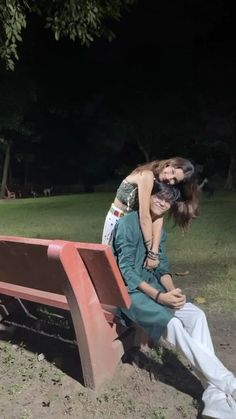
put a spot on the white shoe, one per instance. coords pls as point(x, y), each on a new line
point(218, 405)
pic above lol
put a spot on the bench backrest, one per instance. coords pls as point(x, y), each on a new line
point(24, 262)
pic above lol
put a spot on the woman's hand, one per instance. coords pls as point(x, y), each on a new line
point(150, 263)
point(174, 299)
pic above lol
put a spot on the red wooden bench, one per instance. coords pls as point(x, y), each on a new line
point(79, 277)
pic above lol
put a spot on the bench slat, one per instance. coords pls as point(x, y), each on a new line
point(36, 296)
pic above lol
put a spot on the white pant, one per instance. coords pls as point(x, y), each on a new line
point(189, 332)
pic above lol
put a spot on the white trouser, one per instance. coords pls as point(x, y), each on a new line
point(109, 225)
point(189, 332)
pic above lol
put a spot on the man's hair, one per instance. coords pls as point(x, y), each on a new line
point(165, 191)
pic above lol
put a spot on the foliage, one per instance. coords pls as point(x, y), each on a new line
point(84, 20)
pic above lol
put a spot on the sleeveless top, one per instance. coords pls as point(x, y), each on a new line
point(127, 193)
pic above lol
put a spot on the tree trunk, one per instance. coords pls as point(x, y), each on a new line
point(26, 174)
point(230, 183)
point(5, 170)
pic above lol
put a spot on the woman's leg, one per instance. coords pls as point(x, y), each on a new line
point(108, 228)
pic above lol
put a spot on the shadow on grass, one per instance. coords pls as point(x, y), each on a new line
point(57, 344)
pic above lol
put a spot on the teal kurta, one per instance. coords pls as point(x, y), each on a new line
point(130, 251)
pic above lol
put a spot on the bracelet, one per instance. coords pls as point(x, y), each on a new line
point(152, 255)
point(148, 244)
point(157, 296)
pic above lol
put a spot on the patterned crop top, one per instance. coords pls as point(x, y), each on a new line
point(127, 193)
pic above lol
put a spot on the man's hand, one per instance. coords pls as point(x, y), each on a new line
point(173, 299)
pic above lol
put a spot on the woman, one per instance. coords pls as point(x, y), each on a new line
point(135, 191)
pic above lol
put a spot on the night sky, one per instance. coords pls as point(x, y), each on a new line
point(162, 52)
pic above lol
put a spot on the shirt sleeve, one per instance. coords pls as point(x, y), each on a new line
point(125, 245)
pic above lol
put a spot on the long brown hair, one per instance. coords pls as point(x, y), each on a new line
point(185, 209)
point(157, 166)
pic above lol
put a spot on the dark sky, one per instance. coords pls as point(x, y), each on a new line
point(165, 37)
point(165, 47)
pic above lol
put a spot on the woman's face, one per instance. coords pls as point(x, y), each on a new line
point(171, 175)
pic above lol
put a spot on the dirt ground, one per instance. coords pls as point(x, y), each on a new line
point(41, 378)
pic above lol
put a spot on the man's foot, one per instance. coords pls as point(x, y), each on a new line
point(218, 405)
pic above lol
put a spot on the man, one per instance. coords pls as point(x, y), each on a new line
point(161, 309)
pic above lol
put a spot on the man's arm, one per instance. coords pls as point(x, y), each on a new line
point(125, 244)
point(167, 282)
point(173, 299)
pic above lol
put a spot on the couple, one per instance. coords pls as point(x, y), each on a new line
point(161, 309)
point(134, 193)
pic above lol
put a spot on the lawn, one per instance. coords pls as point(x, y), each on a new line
point(207, 250)
point(38, 375)
point(71, 217)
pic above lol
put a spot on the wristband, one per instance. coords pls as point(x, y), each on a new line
point(157, 296)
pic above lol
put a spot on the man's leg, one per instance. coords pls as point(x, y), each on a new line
point(189, 332)
point(195, 323)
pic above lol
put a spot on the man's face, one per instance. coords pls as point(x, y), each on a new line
point(158, 205)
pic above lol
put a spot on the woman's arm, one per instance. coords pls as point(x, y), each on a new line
point(151, 231)
point(145, 184)
point(156, 233)
point(152, 260)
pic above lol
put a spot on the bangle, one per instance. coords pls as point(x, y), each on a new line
point(148, 244)
point(152, 255)
point(157, 296)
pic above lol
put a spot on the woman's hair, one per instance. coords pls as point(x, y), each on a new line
point(185, 208)
point(157, 166)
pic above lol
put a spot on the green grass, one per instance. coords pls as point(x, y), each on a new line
point(72, 217)
point(207, 250)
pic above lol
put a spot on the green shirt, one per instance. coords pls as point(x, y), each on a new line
point(130, 251)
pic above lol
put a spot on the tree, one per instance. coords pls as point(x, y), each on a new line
point(218, 136)
point(84, 20)
point(17, 99)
